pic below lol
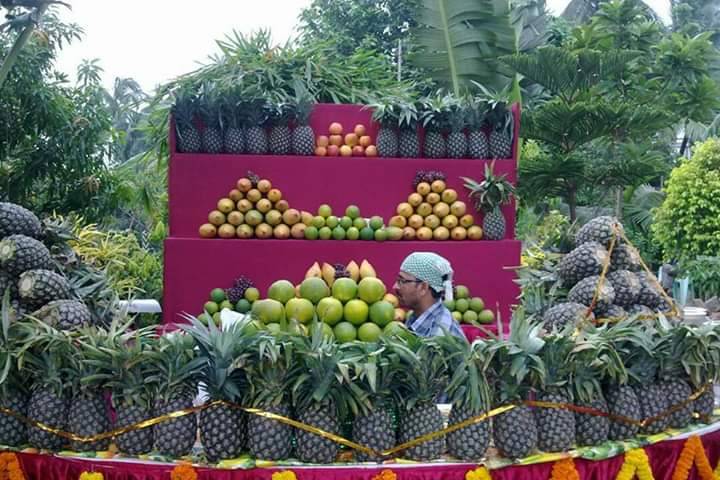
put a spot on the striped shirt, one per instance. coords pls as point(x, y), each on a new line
point(432, 321)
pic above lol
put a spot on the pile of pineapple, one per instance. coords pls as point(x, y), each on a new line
point(626, 290)
point(209, 121)
point(453, 128)
point(379, 394)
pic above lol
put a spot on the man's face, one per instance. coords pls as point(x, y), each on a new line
point(409, 289)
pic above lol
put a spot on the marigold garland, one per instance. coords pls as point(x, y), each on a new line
point(636, 464)
point(693, 452)
point(91, 476)
point(480, 473)
point(385, 475)
point(284, 475)
point(184, 471)
point(564, 470)
point(10, 468)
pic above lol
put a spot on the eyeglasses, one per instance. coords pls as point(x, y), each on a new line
point(403, 281)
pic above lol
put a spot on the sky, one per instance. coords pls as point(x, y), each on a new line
point(156, 40)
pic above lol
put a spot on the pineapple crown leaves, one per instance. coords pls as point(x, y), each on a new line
point(497, 102)
point(174, 366)
point(491, 192)
point(282, 114)
point(595, 361)
point(126, 366)
point(468, 386)
point(271, 372)
point(325, 379)
point(423, 374)
point(458, 115)
point(85, 368)
point(224, 354)
point(184, 108)
point(373, 368)
point(386, 111)
point(257, 111)
point(554, 354)
point(408, 114)
point(10, 348)
point(44, 355)
point(635, 341)
point(695, 351)
point(517, 365)
point(304, 102)
point(436, 110)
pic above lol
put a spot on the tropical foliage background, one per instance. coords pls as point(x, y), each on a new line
point(615, 104)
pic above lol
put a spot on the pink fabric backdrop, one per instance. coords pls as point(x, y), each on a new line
point(193, 267)
point(663, 457)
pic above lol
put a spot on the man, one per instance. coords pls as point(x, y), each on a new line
point(423, 280)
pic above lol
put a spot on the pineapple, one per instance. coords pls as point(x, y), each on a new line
point(699, 348)
point(470, 395)
point(271, 373)
point(678, 353)
point(19, 253)
point(126, 361)
point(13, 390)
point(516, 366)
point(594, 361)
point(649, 294)
point(600, 229)
point(9, 283)
point(39, 287)
point(421, 380)
point(489, 195)
point(387, 115)
point(568, 313)
point(211, 116)
point(187, 133)
point(583, 261)
point(556, 426)
point(624, 257)
point(408, 140)
point(65, 314)
point(88, 413)
point(47, 356)
point(280, 139)
point(173, 373)
point(373, 368)
point(303, 136)
point(224, 355)
point(584, 291)
point(501, 133)
point(321, 395)
point(478, 146)
point(234, 131)
point(457, 141)
point(257, 116)
point(626, 286)
point(434, 119)
point(633, 398)
point(16, 220)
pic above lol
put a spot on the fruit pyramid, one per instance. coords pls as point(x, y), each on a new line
point(468, 309)
point(433, 212)
point(351, 226)
point(254, 209)
point(626, 290)
point(353, 144)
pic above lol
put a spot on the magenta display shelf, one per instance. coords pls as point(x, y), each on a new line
point(376, 185)
point(193, 267)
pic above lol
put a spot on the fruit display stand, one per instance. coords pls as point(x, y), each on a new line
point(663, 458)
point(193, 265)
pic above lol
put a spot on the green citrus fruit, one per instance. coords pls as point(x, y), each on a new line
point(369, 332)
point(252, 294)
point(344, 289)
point(325, 233)
point(314, 289)
point(311, 233)
point(352, 211)
point(356, 312)
point(282, 291)
point(462, 305)
point(477, 305)
point(329, 310)
point(301, 309)
point(211, 307)
point(371, 290)
point(486, 316)
point(345, 332)
point(352, 233)
point(217, 295)
point(382, 313)
point(243, 306)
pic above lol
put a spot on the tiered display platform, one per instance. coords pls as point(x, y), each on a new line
point(193, 266)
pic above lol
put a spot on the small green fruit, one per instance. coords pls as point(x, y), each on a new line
point(217, 295)
point(325, 233)
point(252, 294)
point(211, 307)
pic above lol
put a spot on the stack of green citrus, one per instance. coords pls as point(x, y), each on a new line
point(467, 309)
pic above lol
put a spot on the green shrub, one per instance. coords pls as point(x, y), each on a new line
point(687, 224)
point(704, 273)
